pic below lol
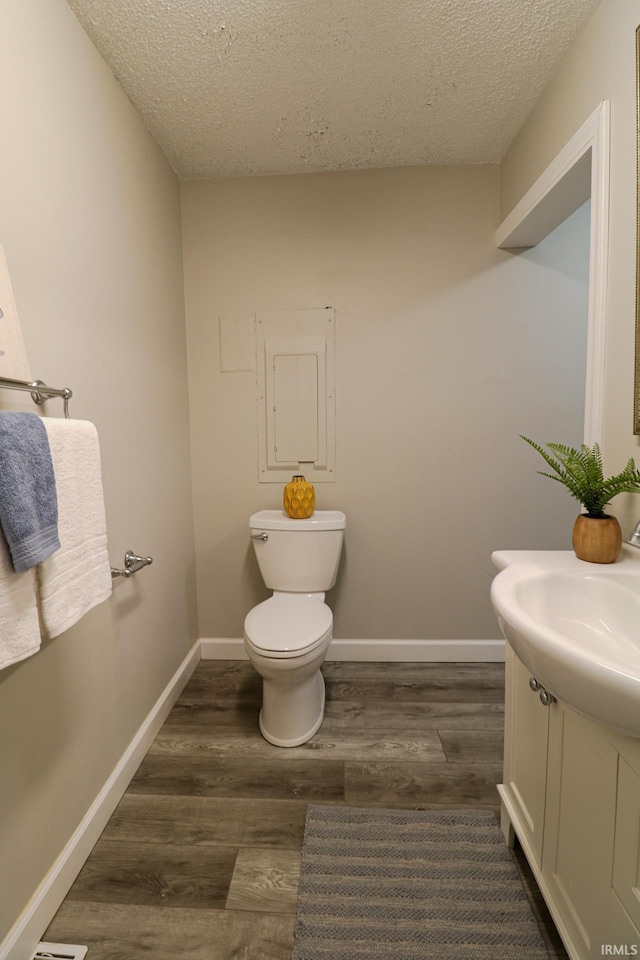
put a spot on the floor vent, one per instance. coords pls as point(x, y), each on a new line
point(59, 951)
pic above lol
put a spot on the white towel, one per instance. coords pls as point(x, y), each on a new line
point(19, 627)
point(78, 576)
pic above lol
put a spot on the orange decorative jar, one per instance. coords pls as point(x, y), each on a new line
point(299, 498)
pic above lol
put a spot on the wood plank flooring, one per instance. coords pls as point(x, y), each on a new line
point(201, 859)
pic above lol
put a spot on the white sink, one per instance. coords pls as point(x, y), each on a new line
point(576, 627)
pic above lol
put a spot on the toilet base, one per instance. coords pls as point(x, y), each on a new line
point(290, 717)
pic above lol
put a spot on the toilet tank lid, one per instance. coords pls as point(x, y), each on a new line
point(278, 520)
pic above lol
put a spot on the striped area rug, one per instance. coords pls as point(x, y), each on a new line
point(410, 885)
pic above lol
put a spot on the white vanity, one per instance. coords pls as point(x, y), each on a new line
point(571, 789)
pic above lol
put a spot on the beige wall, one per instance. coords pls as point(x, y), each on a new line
point(90, 221)
point(600, 65)
point(446, 350)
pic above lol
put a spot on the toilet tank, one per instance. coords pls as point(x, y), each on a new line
point(298, 556)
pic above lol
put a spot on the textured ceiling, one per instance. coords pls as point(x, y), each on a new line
point(246, 87)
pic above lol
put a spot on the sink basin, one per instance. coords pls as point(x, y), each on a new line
point(576, 627)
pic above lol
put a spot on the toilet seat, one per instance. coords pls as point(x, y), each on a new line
point(289, 625)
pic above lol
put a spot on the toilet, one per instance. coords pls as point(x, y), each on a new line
point(287, 636)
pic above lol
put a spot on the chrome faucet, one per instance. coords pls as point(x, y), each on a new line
point(634, 539)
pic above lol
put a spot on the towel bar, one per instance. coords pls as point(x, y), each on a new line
point(132, 563)
point(39, 391)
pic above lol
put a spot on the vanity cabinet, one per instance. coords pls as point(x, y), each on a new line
point(571, 793)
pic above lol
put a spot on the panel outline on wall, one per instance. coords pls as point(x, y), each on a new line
point(299, 347)
point(303, 332)
point(306, 374)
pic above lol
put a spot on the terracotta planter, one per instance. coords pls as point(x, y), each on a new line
point(597, 540)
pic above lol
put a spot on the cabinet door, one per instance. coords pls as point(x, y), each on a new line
point(525, 755)
point(579, 827)
point(626, 855)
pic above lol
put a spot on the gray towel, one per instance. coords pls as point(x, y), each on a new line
point(28, 501)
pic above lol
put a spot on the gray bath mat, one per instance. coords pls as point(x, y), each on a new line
point(410, 885)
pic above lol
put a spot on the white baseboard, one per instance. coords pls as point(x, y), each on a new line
point(27, 932)
point(418, 651)
point(388, 651)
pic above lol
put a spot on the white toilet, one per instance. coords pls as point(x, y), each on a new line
point(287, 636)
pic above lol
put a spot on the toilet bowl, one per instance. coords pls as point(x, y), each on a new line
point(287, 636)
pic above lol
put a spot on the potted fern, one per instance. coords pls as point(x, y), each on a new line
point(596, 537)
